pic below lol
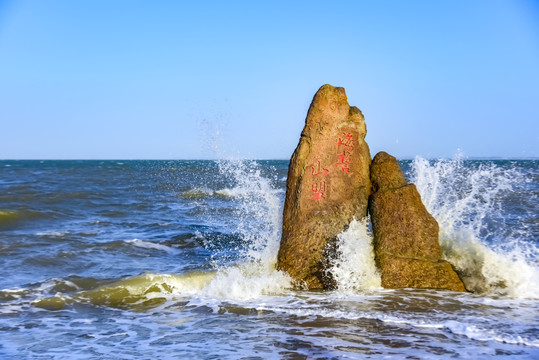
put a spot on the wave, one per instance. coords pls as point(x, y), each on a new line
point(490, 254)
point(9, 216)
point(225, 193)
point(196, 194)
point(148, 290)
point(53, 234)
point(238, 283)
point(475, 332)
point(150, 245)
point(201, 193)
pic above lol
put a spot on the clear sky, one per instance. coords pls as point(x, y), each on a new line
point(113, 79)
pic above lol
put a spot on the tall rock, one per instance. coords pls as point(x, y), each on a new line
point(328, 185)
point(407, 251)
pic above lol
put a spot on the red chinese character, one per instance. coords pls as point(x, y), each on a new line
point(346, 140)
point(318, 190)
point(320, 171)
point(344, 161)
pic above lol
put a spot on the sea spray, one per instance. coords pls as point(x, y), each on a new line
point(258, 210)
point(353, 268)
point(467, 201)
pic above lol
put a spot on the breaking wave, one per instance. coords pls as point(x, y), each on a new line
point(491, 252)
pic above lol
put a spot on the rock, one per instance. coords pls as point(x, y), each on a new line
point(386, 173)
point(328, 185)
point(407, 251)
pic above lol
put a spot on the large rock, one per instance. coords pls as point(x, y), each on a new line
point(407, 251)
point(328, 185)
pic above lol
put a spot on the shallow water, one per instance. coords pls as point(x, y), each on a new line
point(175, 259)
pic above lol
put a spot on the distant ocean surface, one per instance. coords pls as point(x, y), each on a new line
point(175, 260)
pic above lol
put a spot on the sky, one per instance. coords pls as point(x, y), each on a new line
point(129, 79)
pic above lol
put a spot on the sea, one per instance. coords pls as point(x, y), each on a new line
point(176, 260)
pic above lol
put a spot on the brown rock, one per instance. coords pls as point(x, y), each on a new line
point(328, 185)
point(386, 173)
point(401, 272)
point(406, 245)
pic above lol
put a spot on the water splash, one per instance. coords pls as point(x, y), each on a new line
point(259, 212)
point(354, 269)
point(467, 200)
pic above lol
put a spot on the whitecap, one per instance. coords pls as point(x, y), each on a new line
point(53, 234)
point(196, 194)
point(150, 245)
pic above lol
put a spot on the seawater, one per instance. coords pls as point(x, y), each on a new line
point(176, 259)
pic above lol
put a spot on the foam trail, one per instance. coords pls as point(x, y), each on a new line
point(468, 204)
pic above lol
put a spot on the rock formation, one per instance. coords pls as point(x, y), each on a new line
point(407, 251)
point(328, 185)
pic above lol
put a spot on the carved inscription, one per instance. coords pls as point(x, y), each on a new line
point(345, 145)
point(318, 189)
point(319, 171)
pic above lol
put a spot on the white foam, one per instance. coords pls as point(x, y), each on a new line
point(476, 333)
point(228, 193)
point(488, 329)
point(53, 233)
point(150, 245)
point(354, 268)
point(246, 282)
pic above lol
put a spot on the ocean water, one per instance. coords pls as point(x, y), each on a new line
point(175, 259)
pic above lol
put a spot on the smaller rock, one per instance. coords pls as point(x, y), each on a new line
point(407, 251)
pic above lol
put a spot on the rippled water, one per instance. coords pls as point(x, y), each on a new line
point(175, 259)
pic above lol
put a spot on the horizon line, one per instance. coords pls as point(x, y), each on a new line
point(507, 158)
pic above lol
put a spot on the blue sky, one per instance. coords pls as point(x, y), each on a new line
point(208, 79)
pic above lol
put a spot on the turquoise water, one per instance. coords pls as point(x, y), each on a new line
point(175, 259)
